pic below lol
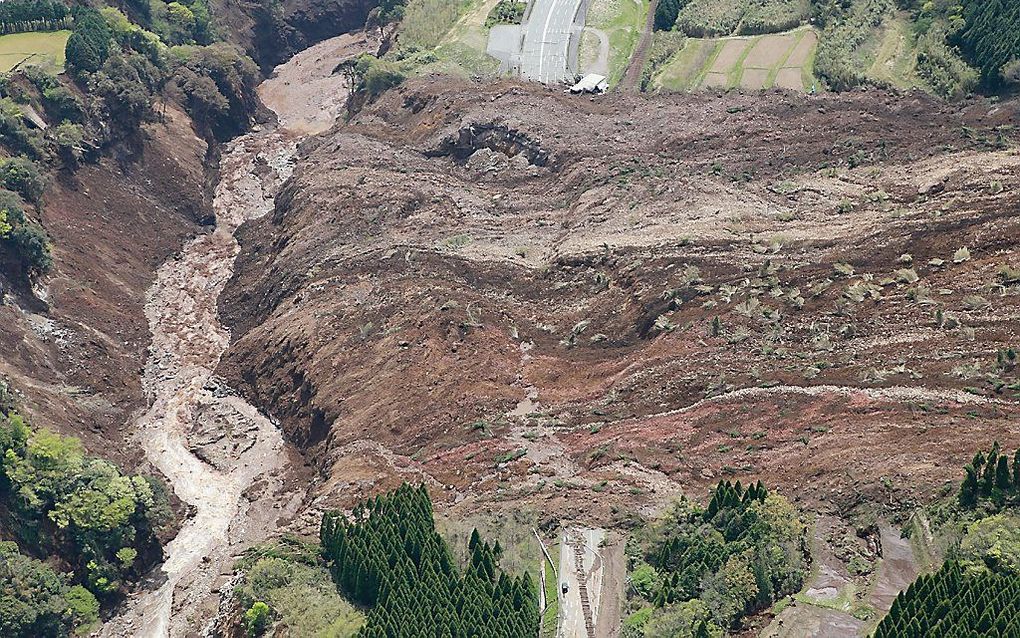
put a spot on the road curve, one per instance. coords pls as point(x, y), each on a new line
point(546, 41)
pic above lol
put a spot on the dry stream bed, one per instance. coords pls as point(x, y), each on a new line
point(220, 455)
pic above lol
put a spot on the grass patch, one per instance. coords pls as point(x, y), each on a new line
point(552, 599)
point(289, 576)
point(623, 21)
point(426, 22)
point(706, 18)
point(895, 54)
point(928, 557)
point(521, 552)
point(450, 38)
point(683, 71)
point(807, 72)
point(40, 48)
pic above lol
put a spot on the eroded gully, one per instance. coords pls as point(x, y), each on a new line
point(220, 455)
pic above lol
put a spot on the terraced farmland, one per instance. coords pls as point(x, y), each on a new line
point(782, 60)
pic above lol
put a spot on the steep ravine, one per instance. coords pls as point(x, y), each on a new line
point(221, 456)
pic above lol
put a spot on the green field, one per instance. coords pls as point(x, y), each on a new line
point(758, 62)
point(552, 598)
point(44, 49)
point(623, 21)
point(892, 53)
point(452, 36)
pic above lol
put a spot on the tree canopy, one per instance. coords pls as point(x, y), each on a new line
point(388, 556)
point(739, 554)
point(64, 502)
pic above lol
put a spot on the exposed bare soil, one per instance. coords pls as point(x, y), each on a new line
point(510, 293)
point(77, 355)
point(768, 52)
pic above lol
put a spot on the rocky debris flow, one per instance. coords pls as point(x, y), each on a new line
point(221, 456)
point(705, 285)
point(211, 445)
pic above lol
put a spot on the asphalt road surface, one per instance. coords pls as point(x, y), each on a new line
point(573, 623)
point(547, 40)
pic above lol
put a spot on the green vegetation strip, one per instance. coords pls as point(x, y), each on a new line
point(702, 570)
point(95, 521)
point(552, 602)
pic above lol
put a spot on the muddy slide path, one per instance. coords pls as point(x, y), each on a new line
point(219, 454)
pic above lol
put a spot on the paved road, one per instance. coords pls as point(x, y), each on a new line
point(546, 41)
point(583, 543)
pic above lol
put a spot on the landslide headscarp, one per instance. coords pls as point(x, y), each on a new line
point(681, 287)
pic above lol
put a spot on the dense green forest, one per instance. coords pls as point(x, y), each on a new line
point(129, 68)
point(120, 76)
point(18, 16)
point(705, 569)
point(956, 603)
point(990, 38)
point(709, 18)
point(388, 557)
point(80, 511)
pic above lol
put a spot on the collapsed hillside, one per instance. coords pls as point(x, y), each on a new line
point(273, 30)
point(525, 296)
point(76, 351)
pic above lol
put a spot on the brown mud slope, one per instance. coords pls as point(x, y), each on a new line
point(511, 292)
point(77, 356)
point(271, 32)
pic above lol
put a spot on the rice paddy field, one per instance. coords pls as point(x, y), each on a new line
point(40, 48)
point(783, 60)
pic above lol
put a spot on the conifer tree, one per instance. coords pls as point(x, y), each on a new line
point(969, 488)
point(388, 556)
point(1002, 478)
point(1016, 470)
point(988, 476)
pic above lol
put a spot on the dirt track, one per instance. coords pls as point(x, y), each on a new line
point(632, 74)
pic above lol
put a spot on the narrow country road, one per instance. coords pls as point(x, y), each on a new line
point(581, 569)
point(221, 456)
